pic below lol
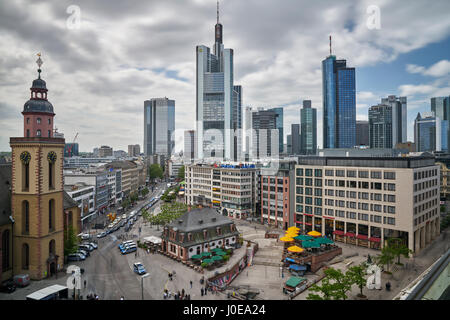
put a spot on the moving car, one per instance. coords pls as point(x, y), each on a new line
point(75, 257)
point(139, 268)
point(129, 249)
point(103, 234)
point(121, 245)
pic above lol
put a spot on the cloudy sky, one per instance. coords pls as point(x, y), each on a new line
point(101, 64)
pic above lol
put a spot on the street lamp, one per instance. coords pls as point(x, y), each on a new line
point(142, 283)
point(12, 242)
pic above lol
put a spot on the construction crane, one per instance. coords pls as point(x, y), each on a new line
point(69, 150)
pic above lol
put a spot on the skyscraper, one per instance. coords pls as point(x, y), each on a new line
point(218, 100)
point(308, 120)
point(399, 112)
point(189, 145)
point(295, 139)
point(441, 108)
point(362, 133)
point(279, 126)
point(380, 126)
point(339, 103)
point(427, 132)
point(159, 125)
point(265, 137)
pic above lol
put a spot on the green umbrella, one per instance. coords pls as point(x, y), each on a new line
point(217, 258)
point(221, 253)
point(205, 254)
point(216, 250)
point(196, 256)
point(310, 244)
point(303, 237)
point(324, 241)
point(208, 261)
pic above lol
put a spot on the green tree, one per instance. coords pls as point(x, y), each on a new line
point(386, 258)
point(334, 286)
point(70, 241)
point(357, 275)
point(155, 171)
point(181, 173)
point(399, 248)
point(144, 191)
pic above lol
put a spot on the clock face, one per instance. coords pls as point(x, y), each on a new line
point(51, 157)
point(25, 157)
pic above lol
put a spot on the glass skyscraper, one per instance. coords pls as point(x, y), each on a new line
point(279, 126)
point(159, 126)
point(441, 108)
point(427, 132)
point(380, 127)
point(339, 104)
point(218, 101)
point(308, 121)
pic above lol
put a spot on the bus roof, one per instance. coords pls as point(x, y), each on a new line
point(40, 294)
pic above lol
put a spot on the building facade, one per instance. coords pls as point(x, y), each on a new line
point(427, 132)
point(308, 121)
point(265, 134)
point(134, 150)
point(84, 196)
point(441, 108)
point(105, 151)
point(159, 126)
point(197, 231)
point(362, 133)
point(230, 189)
point(189, 146)
point(380, 127)
point(70, 150)
point(296, 139)
point(365, 201)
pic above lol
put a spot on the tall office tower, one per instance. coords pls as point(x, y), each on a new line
point(248, 114)
point(289, 144)
point(279, 126)
point(362, 133)
point(159, 126)
point(217, 100)
point(295, 139)
point(427, 132)
point(380, 126)
point(441, 108)
point(134, 150)
point(189, 146)
point(339, 103)
point(308, 121)
point(265, 137)
point(399, 124)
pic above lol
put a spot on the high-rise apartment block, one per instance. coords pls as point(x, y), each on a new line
point(134, 150)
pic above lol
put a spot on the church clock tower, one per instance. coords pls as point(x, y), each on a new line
point(37, 189)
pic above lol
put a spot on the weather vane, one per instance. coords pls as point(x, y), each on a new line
point(39, 63)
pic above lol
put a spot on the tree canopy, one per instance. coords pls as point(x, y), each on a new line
point(334, 286)
point(181, 172)
point(155, 171)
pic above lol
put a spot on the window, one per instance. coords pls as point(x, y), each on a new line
point(299, 181)
point(318, 201)
point(363, 185)
point(51, 215)
point(49, 134)
point(308, 191)
point(318, 192)
point(299, 190)
point(25, 217)
point(28, 120)
point(49, 121)
point(299, 208)
point(329, 173)
point(308, 181)
point(51, 175)
point(5, 250)
point(308, 209)
point(28, 133)
point(308, 172)
point(51, 248)
point(340, 173)
point(300, 172)
point(375, 174)
point(25, 176)
point(38, 120)
point(299, 199)
point(389, 175)
point(363, 174)
point(351, 215)
point(331, 192)
point(38, 133)
point(318, 182)
point(340, 183)
point(318, 172)
point(363, 216)
point(318, 211)
point(308, 200)
point(351, 173)
point(25, 256)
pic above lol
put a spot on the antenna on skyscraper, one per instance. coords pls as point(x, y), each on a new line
point(217, 11)
point(330, 44)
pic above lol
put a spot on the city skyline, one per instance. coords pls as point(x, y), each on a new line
point(276, 71)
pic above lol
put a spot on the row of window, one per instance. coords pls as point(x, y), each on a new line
point(425, 217)
point(38, 121)
point(361, 195)
point(425, 206)
point(425, 185)
point(356, 216)
point(426, 195)
point(359, 184)
point(345, 173)
point(425, 174)
point(272, 180)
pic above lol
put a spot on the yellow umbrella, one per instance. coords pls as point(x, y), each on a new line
point(291, 234)
point(314, 233)
point(287, 239)
point(295, 249)
point(294, 228)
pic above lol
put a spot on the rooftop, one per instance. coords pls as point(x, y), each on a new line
point(199, 219)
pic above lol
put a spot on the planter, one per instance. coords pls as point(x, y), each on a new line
point(361, 297)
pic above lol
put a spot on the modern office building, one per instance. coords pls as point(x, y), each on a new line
point(230, 188)
point(308, 121)
point(70, 150)
point(399, 115)
point(362, 133)
point(289, 144)
point(380, 127)
point(265, 135)
point(218, 100)
point(367, 200)
point(279, 126)
point(134, 150)
point(296, 139)
point(159, 126)
point(427, 132)
point(84, 195)
point(189, 146)
point(441, 108)
point(277, 190)
point(105, 151)
point(339, 103)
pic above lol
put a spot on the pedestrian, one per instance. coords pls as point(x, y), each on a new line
point(190, 283)
point(182, 292)
point(135, 255)
point(201, 291)
point(122, 298)
point(205, 291)
point(85, 284)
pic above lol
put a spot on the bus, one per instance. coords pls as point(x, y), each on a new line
point(55, 292)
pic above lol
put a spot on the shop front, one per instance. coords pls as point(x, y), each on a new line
point(375, 238)
point(318, 224)
point(362, 237)
point(329, 227)
point(339, 234)
point(308, 223)
point(351, 233)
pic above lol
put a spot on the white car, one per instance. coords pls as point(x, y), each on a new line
point(84, 236)
point(93, 244)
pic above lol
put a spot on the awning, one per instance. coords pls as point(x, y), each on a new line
point(350, 234)
point(289, 260)
point(362, 237)
point(297, 267)
point(294, 281)
point(374, 239)
point(338, 232)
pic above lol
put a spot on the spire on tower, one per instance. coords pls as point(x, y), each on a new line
point(217, 11)
point(330, 44)
point(39, 63)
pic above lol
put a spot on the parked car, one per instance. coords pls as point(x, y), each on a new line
point(75, 257)
point(92, 244)
point(85, 247)
point(103, 234)
point(129, 249)
point(21, 280)
point(7, 286)
point(139, 268)
point(84, 252)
